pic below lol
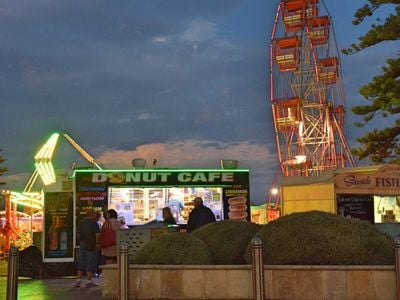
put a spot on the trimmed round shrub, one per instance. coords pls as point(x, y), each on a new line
point(174, 249)
point(320, 238)
point(227, 240)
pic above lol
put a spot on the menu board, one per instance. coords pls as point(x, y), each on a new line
point(90, 198)
point(58, 227)
point(236, 203)
point(356, 206)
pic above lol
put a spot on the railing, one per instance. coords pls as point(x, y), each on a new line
point(123, 271)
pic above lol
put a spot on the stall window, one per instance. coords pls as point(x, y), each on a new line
point(386, 209)
point(142, 205)
point(137, 205)
point(180, 201)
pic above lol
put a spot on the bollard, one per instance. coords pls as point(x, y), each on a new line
point(12, 275)
point(397, 264)
point(123, 271)
point(257, 269)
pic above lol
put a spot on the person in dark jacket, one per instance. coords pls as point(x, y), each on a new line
point(168, 217)
point(200, 215)
point(88, 231)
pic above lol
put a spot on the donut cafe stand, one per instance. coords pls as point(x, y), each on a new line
point(140, 194)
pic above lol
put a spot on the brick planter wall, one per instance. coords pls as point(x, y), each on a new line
point(234, 282)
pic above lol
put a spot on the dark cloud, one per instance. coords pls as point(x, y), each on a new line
point(126, 74)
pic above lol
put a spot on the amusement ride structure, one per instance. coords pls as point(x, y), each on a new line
point(34, 199)
point(306, 91)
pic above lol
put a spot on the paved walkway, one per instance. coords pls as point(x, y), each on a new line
point(49, 289)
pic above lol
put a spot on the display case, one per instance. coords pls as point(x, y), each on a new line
point(142, 205)
point(137, 205)
point(212, 198)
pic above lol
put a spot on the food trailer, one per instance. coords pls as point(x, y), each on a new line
point(140, 195)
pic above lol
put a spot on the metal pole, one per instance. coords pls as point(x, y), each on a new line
point(12, 276)
point(8, 219)
point(123, 271)
point(14, 215)
point(397, 264)
point(257, 268)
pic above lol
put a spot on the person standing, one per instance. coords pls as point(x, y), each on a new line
point(176, 206)
point(167, 216)
point(100, 219)
point(110, 253)
point(88, 241)
point(200, 215)
point(122, 223)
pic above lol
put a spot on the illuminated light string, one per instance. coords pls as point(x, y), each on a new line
point(43, 168)
point(49, 171)
point(43, 160)
point(27, 204)
point(30, 200)
point(32, 197)
point(46, 152)
point(46, 172)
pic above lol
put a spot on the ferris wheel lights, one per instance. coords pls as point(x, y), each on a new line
point(300, 159)
point(274, 191)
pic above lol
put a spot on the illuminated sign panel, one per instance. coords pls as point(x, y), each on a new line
point(163, 177)
point(386, 178)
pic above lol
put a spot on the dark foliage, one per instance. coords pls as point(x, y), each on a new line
point(227, 240)
point(2, 169)
point(174, 249)
point(383, 92)
point(319, 238)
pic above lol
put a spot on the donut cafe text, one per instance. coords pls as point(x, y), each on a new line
point(163, 177)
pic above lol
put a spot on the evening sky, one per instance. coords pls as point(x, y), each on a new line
point(181, 81)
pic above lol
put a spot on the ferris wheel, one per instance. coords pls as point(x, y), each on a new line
point(306, 90)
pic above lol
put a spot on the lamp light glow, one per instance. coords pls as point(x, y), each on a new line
point(274, 191)
point(301, 159)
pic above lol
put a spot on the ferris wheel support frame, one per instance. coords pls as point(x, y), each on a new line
point(323, 128)
point(271, 91)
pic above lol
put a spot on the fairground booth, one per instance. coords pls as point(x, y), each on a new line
point(138, 196)
point(370, 193)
